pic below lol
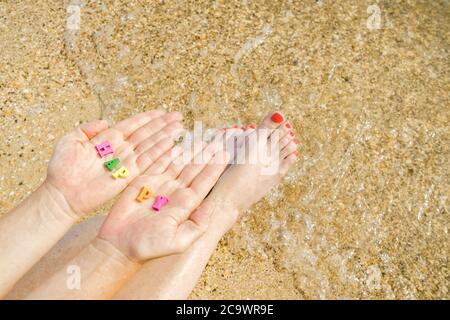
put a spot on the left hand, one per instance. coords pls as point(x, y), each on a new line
point(79, 173)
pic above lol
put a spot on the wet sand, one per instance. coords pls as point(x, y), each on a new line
point(364, 213)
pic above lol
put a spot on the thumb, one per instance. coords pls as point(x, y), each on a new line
point(201, 216)
point(187, 233)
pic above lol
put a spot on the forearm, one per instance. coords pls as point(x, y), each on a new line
point(97, 272)
point(29, 231)
point(174, 277)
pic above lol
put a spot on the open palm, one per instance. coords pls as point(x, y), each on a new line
point(141, 233)
point(79, 173)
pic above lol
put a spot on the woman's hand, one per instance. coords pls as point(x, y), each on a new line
point(78, 172)
point(142, 233)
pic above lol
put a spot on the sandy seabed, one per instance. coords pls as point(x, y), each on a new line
point(364, 213)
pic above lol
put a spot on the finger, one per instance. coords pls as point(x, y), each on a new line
point(117, 134)
point(200, 161)
point(147, 158)
point(207, 178)
point(159, 166)
point(87, 131)
point(172, 130)
point(201, 215)
point(153, 126)
point(188, 232)
point(91, 129)
point(180, 162)
point(114, 137)
point(130, 125)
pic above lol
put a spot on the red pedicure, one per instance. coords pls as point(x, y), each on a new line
point(288, 125)
point(243, 128)
point(295, 141)
point(252, 125)
point(292, 133)
point(235, 126)
point(296, 153)
point(277, 117)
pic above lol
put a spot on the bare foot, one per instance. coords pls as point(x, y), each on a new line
point(255, 172)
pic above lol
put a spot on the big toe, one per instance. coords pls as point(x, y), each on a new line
point(272, 120)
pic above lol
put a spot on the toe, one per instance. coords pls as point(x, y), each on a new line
point(286, 129)
point(287, 163)
point(286, 151)
point(280, 132)
point(269, 124)
point(272, 121)
point(285, 141)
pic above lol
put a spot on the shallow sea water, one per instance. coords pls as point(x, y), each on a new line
point(363, 214)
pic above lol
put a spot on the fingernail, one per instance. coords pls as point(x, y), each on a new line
point(288, 125)
point(295, 141)
point(292, 133)
point(277, 117)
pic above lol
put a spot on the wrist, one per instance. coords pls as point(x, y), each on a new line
point(111, 252)
point(56, 204)
point(222, 218)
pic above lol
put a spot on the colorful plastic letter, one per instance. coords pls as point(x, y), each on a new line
point(121, 173)
point(144, 194)
point(160, 201)
point(112, 164)
point(104, 149)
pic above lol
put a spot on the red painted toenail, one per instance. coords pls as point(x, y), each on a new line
point(235, 126)
point(243, 128)
point(288, 125)
point(252, 125)
point(296, 153)
point(292, 133)
point(295, 141)
point(277, 117)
